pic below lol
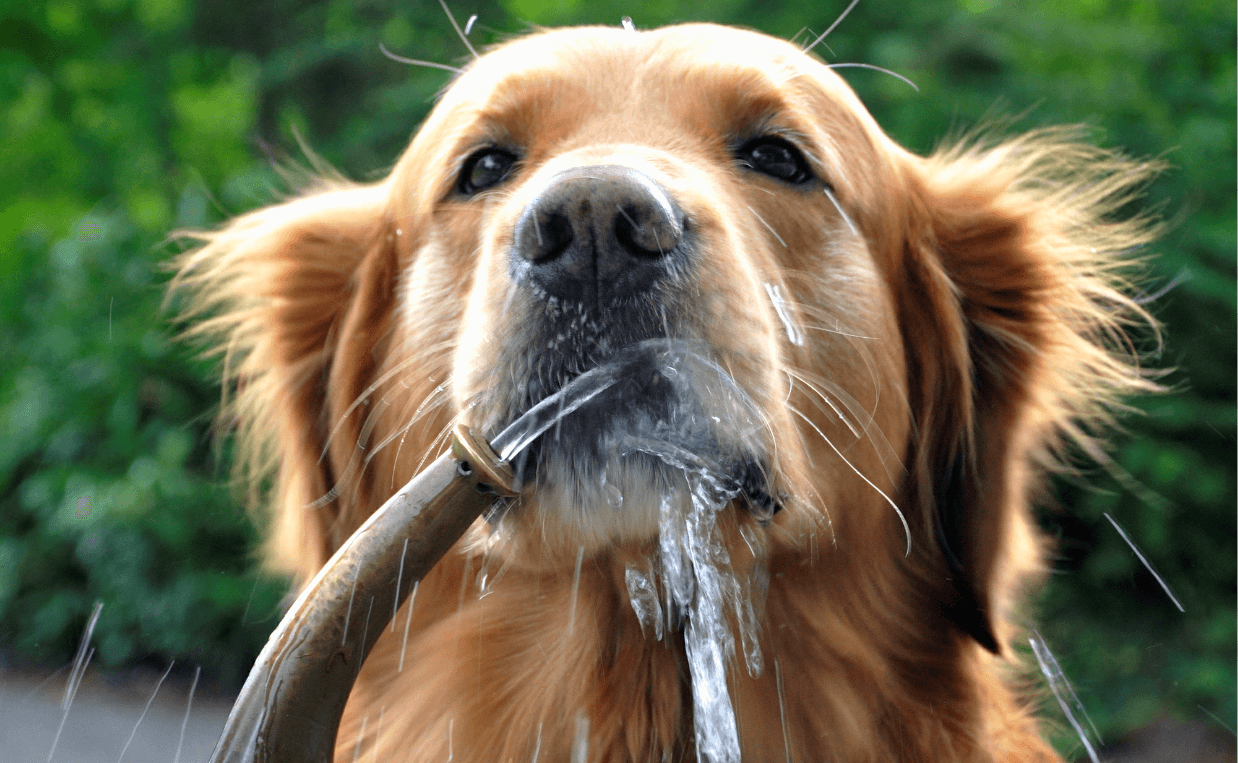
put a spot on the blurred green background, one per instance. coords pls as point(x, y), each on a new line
point(125, 119)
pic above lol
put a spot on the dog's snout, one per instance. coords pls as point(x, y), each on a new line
point(598, 234)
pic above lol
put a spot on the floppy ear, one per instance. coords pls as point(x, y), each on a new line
point(1018, 255)
point(296, 297)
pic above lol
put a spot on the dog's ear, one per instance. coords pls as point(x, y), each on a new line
point(295, 298)
point(1018, 252)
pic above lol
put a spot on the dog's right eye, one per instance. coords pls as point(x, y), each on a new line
point(485, 169)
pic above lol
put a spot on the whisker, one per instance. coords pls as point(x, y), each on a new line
point(837, 21)
point(422, 410)
point(462, 34)
point(881, 444)
point(830, 195)
point(416, 61)
point(827, 388)
point(857, 410)
point(813, 496)
point(826, 399)
point(811, 34)
point(360, 399)
point(838, 331)
point(400, 432)
point(768, 227)
point(874, 68)
point(438, 442)
point(357, 465)
point(870, 416)
point(902, 518)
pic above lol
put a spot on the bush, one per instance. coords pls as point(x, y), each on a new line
point(126, 119)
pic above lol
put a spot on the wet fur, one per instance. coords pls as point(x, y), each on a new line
point(969, 325)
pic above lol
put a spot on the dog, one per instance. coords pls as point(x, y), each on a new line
point(918, 340)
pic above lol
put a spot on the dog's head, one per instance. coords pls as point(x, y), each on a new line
point(611, 188)
point(907, 338)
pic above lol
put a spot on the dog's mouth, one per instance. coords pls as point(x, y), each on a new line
point(634, 423)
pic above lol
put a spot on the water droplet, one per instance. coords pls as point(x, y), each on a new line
point(794, 335)
point(643, 593)
point(580, 741)
point(614, 497)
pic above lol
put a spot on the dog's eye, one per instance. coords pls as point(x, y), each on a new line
point(485, 169)
point(777, 158)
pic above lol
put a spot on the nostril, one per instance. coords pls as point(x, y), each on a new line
point(552, 234)
point(647, 231)
point(598, 234)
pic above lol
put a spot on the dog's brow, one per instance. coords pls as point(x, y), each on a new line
point(754, 88)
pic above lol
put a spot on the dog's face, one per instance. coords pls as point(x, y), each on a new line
point(877, 352)
point(587, 190)
point(909, 336)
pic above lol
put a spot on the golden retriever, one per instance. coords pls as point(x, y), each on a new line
point(919, 336)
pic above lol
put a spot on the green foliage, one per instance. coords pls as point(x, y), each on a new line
point(126, 119)
point(109, 489)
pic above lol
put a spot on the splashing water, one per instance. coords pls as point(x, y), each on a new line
point(706, 436)
point(700, 584)
point(541, 417)
point(711, 426)
point(643, 593)
point(1147, 565)
point(188, 707)
point(80, 663)
point(707, 638)
point(580, 740)
point(1062, 690)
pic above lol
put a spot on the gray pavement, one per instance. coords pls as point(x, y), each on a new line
point(101, 719)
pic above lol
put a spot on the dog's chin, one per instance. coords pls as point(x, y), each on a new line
point(613, 473)
point(671, 421)
point(595, 501)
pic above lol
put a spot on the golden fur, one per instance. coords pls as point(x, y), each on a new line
point(963, 316)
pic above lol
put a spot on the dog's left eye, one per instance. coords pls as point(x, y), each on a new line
point(777, 158)
point(485, 169)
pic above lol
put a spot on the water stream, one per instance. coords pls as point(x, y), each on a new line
point(705, 436)
point(709, 431)
point(700, 587)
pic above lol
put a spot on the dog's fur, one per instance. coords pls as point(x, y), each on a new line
point(963, 316)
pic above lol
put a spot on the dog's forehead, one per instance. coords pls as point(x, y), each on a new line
point(694, 89)
point(604, 69)
point(667, 48)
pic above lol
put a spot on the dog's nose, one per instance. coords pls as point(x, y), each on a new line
point(597, 235)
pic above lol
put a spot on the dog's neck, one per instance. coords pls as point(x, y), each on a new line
point(546, 651)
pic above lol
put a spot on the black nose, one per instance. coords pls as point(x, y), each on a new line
point(598, 235)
